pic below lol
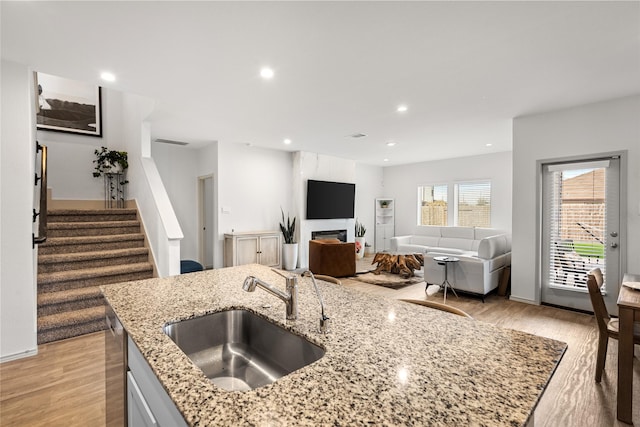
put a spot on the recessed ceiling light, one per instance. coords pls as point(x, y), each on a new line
point(287, 141)
point(390, 144)
point(402, 108)
point(385, 160)
point(108, 77)
point(488, 145)
point(357, 135)
point(266, 73)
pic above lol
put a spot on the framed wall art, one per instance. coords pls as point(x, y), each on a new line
point(65, 105)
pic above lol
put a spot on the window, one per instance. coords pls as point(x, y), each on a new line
point(575, 221)
point(473, 207)
point(432, 206)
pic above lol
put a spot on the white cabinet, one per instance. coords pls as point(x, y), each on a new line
point(253, 248)
point(385, 223)
point(148, 404)
point(139, 413)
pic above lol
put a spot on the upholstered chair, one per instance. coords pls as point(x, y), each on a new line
point(331, 257)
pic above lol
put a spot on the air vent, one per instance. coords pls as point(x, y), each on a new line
point(357, 135)
point(170, 141)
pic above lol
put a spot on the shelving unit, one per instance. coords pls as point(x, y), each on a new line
point(385, 223)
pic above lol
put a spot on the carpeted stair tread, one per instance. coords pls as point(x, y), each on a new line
point(60, 320)
point(71, 331)
point(86, 249)
point(77, 240)
point(91, 224)
point(86, 256)
point(50, 298)
point(74, 215)
point(119, 211)
point(88, 273)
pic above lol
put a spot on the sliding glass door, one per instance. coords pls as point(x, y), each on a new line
point(580, 230)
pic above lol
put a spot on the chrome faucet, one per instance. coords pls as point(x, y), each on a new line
point(290, 297)
point(324, 320)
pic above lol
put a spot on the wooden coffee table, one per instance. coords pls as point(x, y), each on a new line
point(402, 264)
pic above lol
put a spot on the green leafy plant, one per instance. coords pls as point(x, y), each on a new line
point(288, 228)
point(360, 229)
point(106, 159)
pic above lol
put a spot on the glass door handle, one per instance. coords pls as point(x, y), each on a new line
point(614, 245)
point(614, 234)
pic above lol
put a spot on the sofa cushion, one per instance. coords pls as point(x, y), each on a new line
point(434, 251)
point(456, 243)
point(429, 230)
point(425, 240)
point(409, 248)
point(491, 247)
point(480, 233)
point(457, 232)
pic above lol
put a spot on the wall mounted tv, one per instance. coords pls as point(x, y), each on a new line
point(328, 200)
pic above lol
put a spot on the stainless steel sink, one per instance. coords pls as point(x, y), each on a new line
point(238, 350)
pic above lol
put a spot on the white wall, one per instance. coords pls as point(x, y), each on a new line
point(253, 184)
point(180, 178)
point(71, 156)
point(583, 130)
point(324, 168)
point(17, 258)
point(402, 182)
point(146, 186)
point(207, 164)
point(369, 185)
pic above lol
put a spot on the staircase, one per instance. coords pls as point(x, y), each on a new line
point(85, 249)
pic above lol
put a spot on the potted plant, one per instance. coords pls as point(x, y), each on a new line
point(360, 240)
point(112, 164)
point(290, 247)
point(109, 162)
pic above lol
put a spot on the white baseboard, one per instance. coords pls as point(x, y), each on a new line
point(524, 300)
point(17, 356)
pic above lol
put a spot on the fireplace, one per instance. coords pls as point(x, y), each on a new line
point(330, 234)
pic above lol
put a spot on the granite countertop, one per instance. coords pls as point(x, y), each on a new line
point(387, 362)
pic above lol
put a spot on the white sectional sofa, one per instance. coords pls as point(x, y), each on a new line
point(483, 254)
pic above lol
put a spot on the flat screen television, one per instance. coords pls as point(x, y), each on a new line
point(329, 200)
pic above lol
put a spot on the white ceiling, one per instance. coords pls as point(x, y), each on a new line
point(464, 69)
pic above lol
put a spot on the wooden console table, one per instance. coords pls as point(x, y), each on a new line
point(628, 312)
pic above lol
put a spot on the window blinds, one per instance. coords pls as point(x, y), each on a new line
point(473, 204)
point(575, 220)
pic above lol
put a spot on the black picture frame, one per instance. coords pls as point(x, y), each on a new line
point(65, 105)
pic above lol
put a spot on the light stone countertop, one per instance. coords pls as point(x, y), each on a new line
point(387, 362)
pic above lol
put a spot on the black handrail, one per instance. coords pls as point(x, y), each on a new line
point(42, 225)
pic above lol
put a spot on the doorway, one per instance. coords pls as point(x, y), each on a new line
point(580, 230)
point(206, 220)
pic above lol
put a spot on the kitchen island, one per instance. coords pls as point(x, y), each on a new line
point(387, 362)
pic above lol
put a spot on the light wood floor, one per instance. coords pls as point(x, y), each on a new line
point(64, 384)
point(61, 386)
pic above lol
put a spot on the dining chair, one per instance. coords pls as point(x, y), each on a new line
point(607, 327)
point(438, 306)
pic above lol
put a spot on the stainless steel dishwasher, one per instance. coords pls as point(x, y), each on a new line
point(115, 370)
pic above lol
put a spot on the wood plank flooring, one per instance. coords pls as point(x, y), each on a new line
point(64, 384)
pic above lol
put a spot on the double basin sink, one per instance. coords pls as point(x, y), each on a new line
point(239, 350)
